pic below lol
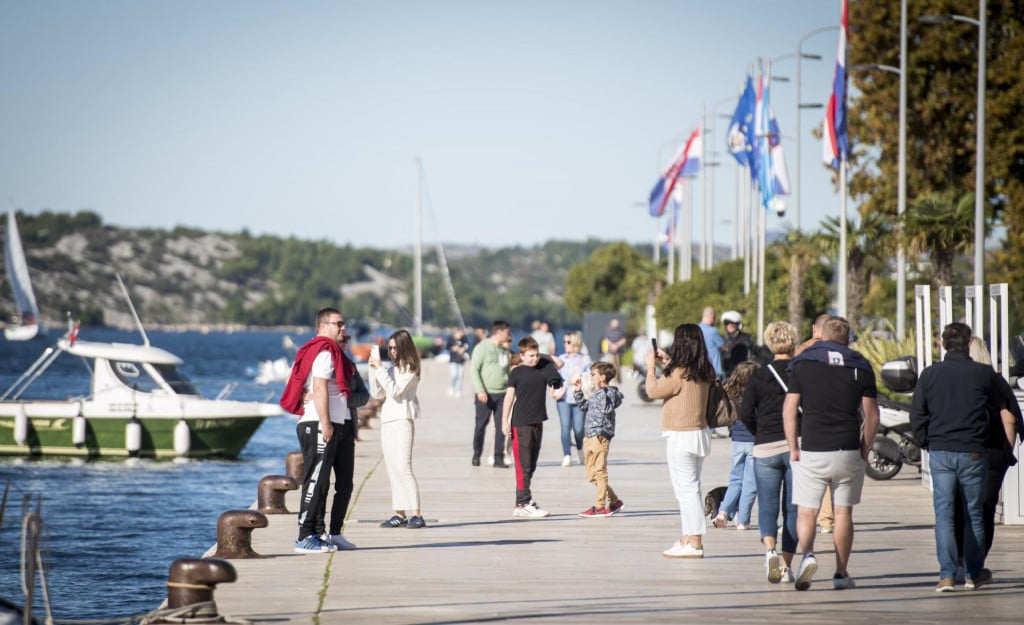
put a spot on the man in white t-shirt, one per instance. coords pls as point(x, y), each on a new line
point(322, 370)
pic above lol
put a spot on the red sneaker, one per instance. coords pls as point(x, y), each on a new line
point(594, 511)
point(616, 506)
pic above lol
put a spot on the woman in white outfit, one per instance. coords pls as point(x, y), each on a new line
point(396, 385)
point(684, 388)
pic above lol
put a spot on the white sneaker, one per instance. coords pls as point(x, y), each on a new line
point(529, 511)
point(338, 541)
point(771, 565)
point(566, 461)
point(490, 460)
point(840, 582)
point(787, 576)
point(681, 550)
point(808, 567)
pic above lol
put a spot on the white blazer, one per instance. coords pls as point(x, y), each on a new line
point(397, 387)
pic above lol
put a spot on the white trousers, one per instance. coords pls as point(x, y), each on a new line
point(396, 438)
point(684, 471)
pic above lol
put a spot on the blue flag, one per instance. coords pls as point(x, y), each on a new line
point(741, 140)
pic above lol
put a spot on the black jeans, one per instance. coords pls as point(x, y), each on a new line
point(493, 406)
point(526, 440)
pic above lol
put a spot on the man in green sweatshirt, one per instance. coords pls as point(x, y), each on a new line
point(489, 370)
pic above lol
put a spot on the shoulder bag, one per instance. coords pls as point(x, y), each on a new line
point(721, 411)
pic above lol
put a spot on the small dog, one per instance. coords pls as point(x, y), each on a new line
point(713, 500)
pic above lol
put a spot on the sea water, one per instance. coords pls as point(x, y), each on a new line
point(112, 528)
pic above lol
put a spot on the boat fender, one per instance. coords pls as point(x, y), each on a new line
point(133, 436)
point(78, 429)
point(234, 533)
point(193, 580)
point(20, 425)
point(270, 494)
point(182, 438)
point(294, 466)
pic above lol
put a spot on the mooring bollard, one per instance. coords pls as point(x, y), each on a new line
point(294, 467)
point(234, 533)
point(270, 495)
point(192, 581)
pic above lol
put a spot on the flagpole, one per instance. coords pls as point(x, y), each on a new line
point(418, 255)
point(745, 241)
point(686, 244)
point(842, 236)
point(762, 234)
point(671, 279)
point(706, 247)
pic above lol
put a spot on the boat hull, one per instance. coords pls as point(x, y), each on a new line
point(24, 332)
point(213, 437)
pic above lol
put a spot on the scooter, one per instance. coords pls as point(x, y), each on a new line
point(894, 444)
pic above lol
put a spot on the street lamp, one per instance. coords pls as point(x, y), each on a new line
point(979, 173)
point(800, 55)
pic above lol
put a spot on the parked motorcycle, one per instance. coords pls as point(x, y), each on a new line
point(894, 444)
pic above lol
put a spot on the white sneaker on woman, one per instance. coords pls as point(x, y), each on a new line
point(566, 461)
point(683, 550)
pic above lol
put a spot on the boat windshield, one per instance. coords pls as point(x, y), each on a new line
point(140, 379)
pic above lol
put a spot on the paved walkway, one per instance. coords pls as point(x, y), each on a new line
point(475, 563)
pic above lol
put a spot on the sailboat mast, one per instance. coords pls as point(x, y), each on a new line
point(418, 255)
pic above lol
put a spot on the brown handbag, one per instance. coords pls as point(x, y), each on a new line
point(721, 411)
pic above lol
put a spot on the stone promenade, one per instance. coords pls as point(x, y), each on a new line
point(475, 563)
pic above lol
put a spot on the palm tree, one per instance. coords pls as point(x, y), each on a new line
point(941, 225)
point(797, 252)
point(870, 244)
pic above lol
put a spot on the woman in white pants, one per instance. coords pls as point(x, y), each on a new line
point(684, 388)
point(396, 385)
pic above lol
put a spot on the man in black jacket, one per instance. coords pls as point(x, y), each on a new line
point(950, 418)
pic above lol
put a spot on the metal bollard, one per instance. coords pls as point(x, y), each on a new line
point(270, 494)
point(192, 581)
point(234, 533)
point(294, 466)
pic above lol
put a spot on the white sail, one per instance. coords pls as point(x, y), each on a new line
point(21, 284)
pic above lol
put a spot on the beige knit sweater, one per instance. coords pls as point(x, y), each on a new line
point(686, 401)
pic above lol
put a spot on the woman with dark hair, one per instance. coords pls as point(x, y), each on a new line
point(397, 385)
point(684, 389)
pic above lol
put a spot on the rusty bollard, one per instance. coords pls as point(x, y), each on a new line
point(192, 581)
point(294, 466)
point(270, 498)
point(234, 533)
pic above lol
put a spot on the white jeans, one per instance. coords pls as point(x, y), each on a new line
point(396, 439)
point(685, 453)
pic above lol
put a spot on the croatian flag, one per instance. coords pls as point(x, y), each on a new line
point(834, 146)
point(685, 162)
point(773, 178)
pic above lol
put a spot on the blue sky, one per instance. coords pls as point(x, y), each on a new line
point(533, 120)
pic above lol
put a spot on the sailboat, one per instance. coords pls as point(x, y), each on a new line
point(24, 325)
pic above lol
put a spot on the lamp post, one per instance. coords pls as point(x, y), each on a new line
point(901, 171)
point(800, 55)
point(979, 173)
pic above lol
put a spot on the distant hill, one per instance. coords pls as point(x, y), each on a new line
point(193, 278)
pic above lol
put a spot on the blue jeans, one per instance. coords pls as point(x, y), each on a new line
point(739, 497)
point(571, 418)
point(455, 370)
point(953, 472)
point(775, 475)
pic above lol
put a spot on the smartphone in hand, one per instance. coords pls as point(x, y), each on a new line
point(654, 346)
point(375, 352)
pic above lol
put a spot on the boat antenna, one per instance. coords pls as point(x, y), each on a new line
point(131, 307)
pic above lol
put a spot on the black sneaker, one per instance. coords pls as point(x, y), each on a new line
point(416, 522)
point(396, 521)
point(476, 460)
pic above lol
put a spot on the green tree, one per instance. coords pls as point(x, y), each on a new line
point(869, 244)
point(615, 278)
point(941, 225)
point(941, 77)
point(798, 252)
